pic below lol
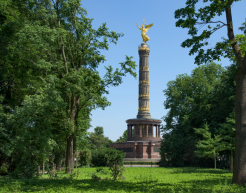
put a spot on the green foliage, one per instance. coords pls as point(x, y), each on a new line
point(114, 156)
point(207, 95)
point(188, 17)
point(52, 172)
point(98, 140)
point(26, 140)
point(98, 130)
point(25, 170)
point(85, 157)
point(99, 169)
point(107, 156)
point(227, 132)
point(98, 158)
point(208, 146)
point(117, 171)
point(123, 137)
point(113, 159)
point(4, 168)
point(227, 49)
point(95, 177)
point(115, 163)
point(49, 54)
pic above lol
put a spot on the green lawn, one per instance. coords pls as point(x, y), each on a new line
point(137, 180)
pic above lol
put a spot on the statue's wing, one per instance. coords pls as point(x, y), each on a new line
point(148, 26)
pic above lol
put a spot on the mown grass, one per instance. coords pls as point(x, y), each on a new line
point(154, 180)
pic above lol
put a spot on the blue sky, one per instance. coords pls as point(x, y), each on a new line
point(167, 58)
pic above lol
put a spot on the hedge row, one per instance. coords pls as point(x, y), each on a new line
point(140, 163)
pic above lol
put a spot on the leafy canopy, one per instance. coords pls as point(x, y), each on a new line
point(188, 18)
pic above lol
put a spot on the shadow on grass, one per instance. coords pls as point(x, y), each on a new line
point(66, 184)
point(224, 183)
point(197, 170)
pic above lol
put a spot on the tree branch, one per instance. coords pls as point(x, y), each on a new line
point(64, 57)
point(211, 22)
point(97, 92)
point(71, 52)
point(230, 33)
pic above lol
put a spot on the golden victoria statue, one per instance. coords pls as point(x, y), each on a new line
point(144, 30)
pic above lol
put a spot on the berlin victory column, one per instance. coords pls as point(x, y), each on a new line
point(142, 144)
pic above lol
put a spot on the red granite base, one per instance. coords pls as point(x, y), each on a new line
point(139, 149)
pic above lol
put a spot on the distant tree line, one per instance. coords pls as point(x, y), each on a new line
point(201, 108)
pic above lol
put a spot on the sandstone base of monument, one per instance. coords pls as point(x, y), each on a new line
point(139, 150)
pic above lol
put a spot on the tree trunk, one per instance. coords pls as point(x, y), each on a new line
point(239, 171)
point(58, 160)
point(69, 155)
point(215, 161)
point(70, 140)
point(43, 167)
point(231, 162)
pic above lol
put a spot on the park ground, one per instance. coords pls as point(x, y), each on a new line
point(137, 179)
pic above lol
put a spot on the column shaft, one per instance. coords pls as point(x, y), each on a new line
point(143, 92)
point(156, 131)
point(152, 130)
point(147, 130)
point(140, 130)
point(128, 131)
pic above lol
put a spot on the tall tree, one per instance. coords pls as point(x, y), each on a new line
point(227, 132)
point(98, 140)
point(18, 80)
point(79, 47)
point(194, 100)
point(190, 18)
point(60, 45)
point(98, 130)
point(209, 146)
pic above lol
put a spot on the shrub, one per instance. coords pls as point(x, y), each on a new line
point(85, 157)
point(117, 171)
point(102, 170)
point(99, 169)
point(104, 157)
point(52, 171)
point(114, 156)
point(4, 168)
point(115, 163)
point(98, 158)
point(95, 177)
point(25, 170)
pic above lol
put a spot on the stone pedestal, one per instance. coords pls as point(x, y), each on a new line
point(138, 143)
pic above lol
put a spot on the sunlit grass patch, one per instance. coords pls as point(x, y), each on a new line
point(140, 179)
